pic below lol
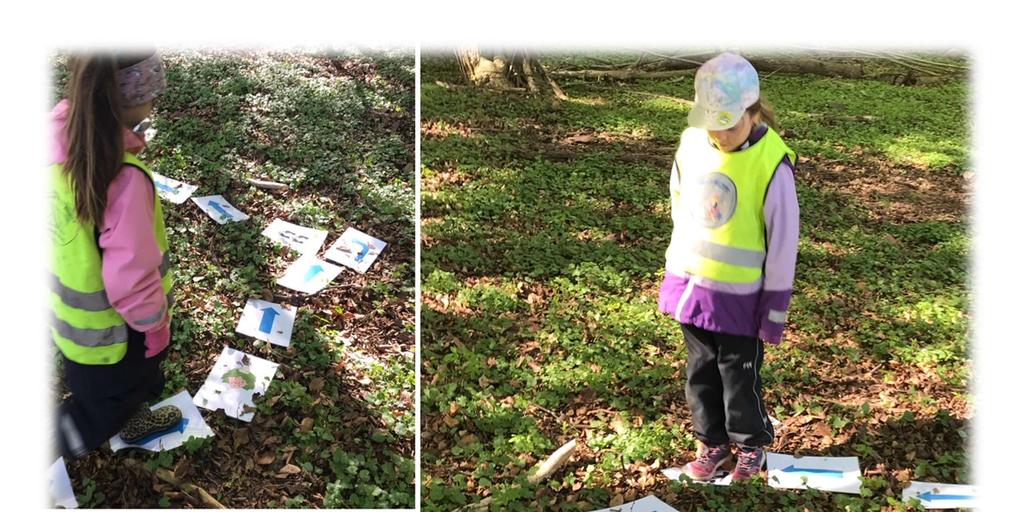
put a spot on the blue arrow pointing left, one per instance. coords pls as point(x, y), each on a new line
point(313, 270)
point(267, 323)
point(813, 471)
point(930, 496)
point(163, 186)
point(180, 427)
point(363, 252)
point(220, 209)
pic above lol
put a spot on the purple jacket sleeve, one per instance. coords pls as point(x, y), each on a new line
point(131, 255)
point(781, 215)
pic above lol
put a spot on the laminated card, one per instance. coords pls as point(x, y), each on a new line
point(835, 474)
point(355, 250)
point(233, 381)
point(171, 189)
point(648, 504)
point(192, 425)
point(302, 239)
point(267, 321)
point(219, 209)
point(309, 274)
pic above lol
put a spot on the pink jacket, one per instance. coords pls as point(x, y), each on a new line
point(131, 256)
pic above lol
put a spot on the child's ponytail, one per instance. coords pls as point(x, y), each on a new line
point(95, 146)
point(765, 111)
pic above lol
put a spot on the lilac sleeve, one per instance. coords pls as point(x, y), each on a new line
point(781, 215)
point(131, 256)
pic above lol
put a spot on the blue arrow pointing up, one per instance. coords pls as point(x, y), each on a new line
point(931, 496)
point(220, 209)
point(313, 270)
point(813, 471)
point(267, 323)
point(363, 252)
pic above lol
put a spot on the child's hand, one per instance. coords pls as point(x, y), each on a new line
point(158, 339)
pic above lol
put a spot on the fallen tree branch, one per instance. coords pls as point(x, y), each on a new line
point(456, 87)
point(185, 487)
point(271, 185)
point(553, 463)
point(626, 74)
point(544, 470)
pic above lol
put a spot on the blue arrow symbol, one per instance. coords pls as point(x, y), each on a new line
point(163, 186)
point(813, 471)
point(180, 427)
point(313, 270)
point(930, 496)
point(220, 209)
point(363, 252)
point(267, 323)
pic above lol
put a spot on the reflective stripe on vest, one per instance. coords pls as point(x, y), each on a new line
point(84, 324)
point(717, 207)
point(95, 301)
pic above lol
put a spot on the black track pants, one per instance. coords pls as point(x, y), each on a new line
point(723, 388)
point(104, 397)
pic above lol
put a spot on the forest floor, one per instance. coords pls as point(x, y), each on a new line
point(336, 427)
point(544, 229)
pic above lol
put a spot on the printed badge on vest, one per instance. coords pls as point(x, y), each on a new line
point(717, 201)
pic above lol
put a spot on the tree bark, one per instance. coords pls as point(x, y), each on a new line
point(506, 70)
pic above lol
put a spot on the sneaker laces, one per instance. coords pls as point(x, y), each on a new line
point(704, 456)
point(748, 459)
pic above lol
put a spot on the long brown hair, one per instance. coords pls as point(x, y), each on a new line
point(765, 111)
point(95, 144)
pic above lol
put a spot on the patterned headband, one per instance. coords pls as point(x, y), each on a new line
point(142, 82)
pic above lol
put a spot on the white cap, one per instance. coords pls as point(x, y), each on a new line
point(725, 87)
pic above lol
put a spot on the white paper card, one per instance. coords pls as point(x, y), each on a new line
point(648, 504)
point(61, 493)
point(302, 239)
point(355, 250)
point(233, 381)
point(192, 426)
point(936, 496)
point(835, 474)
point(219, 209)
point(722, 477)
point(171, 189)
point(267, 321)
point(309, 274)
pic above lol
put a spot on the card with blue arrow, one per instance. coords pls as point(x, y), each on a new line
point(309, 274)
point(355, 250)
point(171, 189)
point(937, 496)
point(219, 209)
point(267, 321)
point(835, 474)
point(192, 425)
point(302, 239)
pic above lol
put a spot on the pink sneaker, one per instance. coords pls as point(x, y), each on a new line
point(709, 459)
point(750, 461)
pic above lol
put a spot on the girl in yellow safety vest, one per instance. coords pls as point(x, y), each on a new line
point(731, 262)
point(110, 286)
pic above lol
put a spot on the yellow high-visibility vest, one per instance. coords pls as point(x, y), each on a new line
point(84, 326)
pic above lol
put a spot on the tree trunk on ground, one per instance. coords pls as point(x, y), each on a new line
point(506, 70)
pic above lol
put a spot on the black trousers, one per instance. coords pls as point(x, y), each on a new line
point(104, 397)
point(723, 388)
